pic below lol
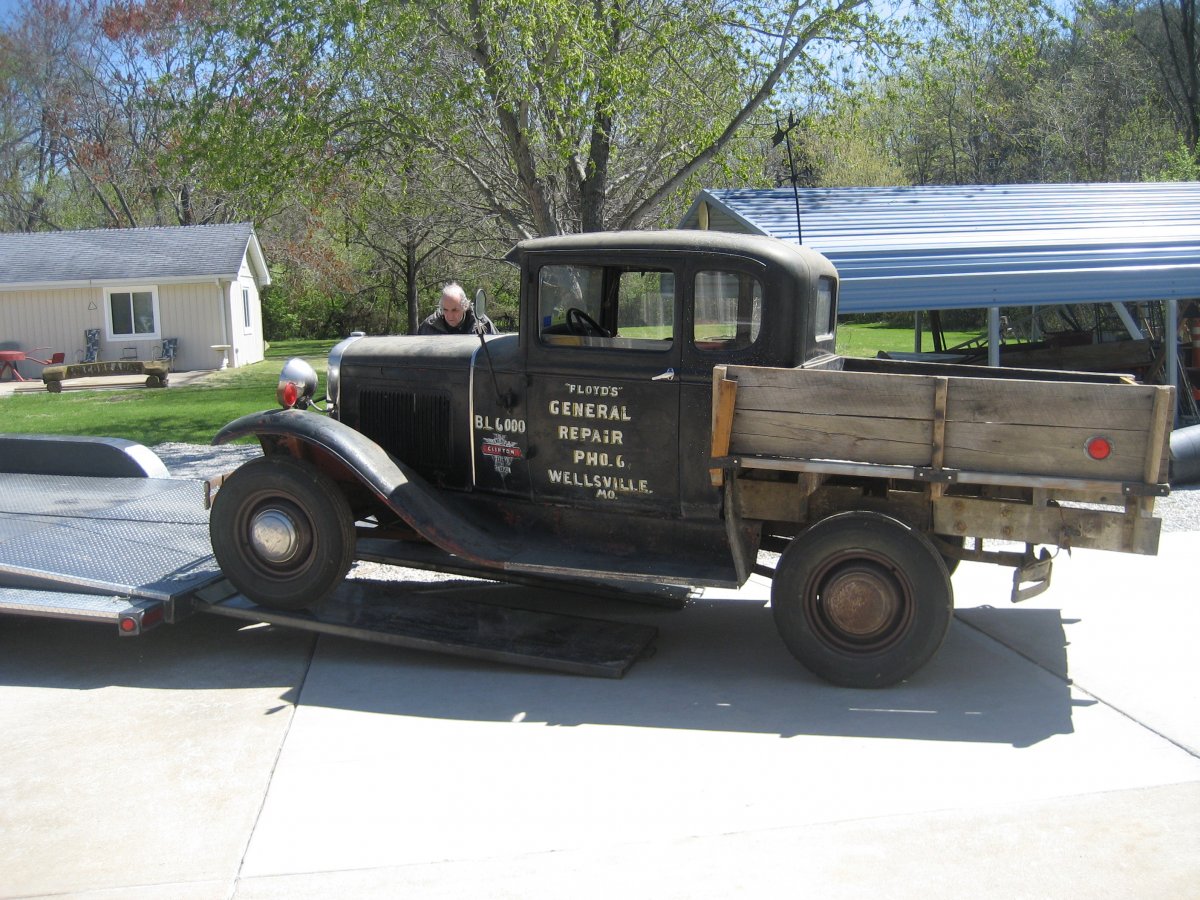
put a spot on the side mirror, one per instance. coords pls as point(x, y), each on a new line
point(480, 306)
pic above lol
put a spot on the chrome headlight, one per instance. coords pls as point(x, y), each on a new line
point(297, 384)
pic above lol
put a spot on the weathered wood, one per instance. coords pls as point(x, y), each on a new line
point(155, 370)
point(856, 438)
point(1058, 404)
point(991, 425)
point(1043, 450)
point(1158, 451)
point(1056, 525)
point(1081, 489)
point(724, 399)
point(822, 391)
point(1111, 356)
point(941, 388)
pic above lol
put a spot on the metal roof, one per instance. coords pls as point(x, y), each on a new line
point(62, 258)
point(953, 247)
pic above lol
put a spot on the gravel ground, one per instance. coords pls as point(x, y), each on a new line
point(1179, 512)
point(201, 461)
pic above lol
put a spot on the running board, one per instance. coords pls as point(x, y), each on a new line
point(434, 620)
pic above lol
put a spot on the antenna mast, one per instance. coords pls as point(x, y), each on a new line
point(784, 135)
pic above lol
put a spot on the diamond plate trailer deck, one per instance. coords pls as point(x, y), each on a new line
point(130, 546)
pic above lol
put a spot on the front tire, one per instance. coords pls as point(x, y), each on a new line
point(862, 599)
point(282, 532)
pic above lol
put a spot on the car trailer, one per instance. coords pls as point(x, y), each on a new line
point(96, 530)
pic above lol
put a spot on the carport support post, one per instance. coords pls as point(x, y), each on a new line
point(1171, 339)
point(993, 336)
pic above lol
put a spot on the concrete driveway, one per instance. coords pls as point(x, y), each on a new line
point(1050, 750)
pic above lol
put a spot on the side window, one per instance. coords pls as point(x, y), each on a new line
point(568, 296)
point(606, 306)
point(823, 308)
point(728, 310)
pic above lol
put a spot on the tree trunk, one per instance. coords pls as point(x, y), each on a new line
point(411, 268)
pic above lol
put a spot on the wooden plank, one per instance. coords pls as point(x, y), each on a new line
point(724, 399)
point(1042, 450)
point(1157, 459)
point(851, 393)
point(938, 438)
point(1119, 406)
point(1060, 526)
point(1080, 489)
point(857, 438)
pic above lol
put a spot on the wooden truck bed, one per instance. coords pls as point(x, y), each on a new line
point(994, 457)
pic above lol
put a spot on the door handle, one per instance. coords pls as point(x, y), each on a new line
point(668, 375)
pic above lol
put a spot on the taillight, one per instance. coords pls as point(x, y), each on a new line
point(1099, 448)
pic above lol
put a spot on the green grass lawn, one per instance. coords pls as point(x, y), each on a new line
point(867, 339)
point(194, 413)
point(190, 413)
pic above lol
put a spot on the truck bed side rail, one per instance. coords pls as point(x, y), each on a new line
point(1091, 443)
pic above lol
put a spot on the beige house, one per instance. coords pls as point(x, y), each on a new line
point(138, 287)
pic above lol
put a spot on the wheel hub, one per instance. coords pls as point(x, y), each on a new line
point(274, 536)
point(860, 603)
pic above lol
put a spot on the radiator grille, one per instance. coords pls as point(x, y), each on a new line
point(412, 426)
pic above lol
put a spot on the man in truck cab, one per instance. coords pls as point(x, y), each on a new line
point(455, 316)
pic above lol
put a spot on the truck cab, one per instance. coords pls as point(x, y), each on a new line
point(602, 401)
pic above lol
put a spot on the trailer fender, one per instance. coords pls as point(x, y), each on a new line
point(86, 456)
point(432, 514)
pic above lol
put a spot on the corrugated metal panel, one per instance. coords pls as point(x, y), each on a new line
point(906, 248)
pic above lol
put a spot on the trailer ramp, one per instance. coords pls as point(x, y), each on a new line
point(135, 552)
point(448, 622)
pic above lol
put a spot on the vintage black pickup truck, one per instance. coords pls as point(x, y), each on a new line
point(672, 406)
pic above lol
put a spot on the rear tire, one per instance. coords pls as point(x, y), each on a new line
point(862, 599)
point(282, 532)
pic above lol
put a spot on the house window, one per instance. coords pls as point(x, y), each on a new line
point(133, 313)
point(246, 309)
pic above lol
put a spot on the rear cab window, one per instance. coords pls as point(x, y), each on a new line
point(728, 309)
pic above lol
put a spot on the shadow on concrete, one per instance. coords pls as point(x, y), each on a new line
point(719, 666)
point(716, 666)
point(202, 653)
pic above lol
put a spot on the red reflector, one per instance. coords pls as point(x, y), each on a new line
point(290, 394)
point(128, 624)
point(1099, 448)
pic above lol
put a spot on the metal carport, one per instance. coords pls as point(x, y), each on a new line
point(984, 246)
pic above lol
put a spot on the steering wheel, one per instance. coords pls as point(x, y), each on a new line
point(584, 325)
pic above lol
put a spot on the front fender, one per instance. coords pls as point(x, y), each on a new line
point(431, 513)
